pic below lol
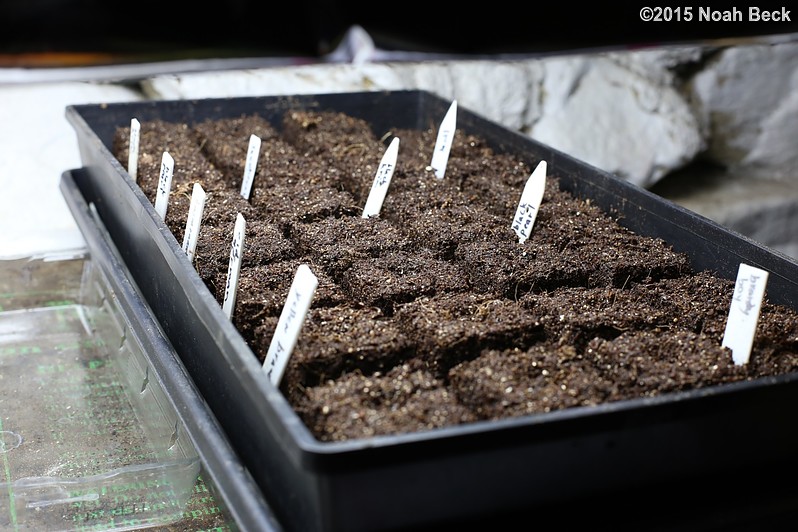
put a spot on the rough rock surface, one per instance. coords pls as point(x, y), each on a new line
point(651, 116)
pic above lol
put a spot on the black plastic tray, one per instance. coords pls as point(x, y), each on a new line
point(704, 457)
point(230, 481)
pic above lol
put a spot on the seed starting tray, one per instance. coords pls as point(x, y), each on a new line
point(698, 458)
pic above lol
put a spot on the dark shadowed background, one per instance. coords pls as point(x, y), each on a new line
point(311, 28)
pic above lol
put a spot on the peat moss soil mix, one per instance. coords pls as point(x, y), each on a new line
point(433, 314)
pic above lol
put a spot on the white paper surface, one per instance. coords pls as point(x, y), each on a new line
point(34, 124)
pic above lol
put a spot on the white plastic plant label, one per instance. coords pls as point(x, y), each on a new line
point(133, 150)
point(749, 291)
point(528, 206)
point(193, 221)
point(295, 310)
point(164, 185)
point(382, 180)
point(443, 144)
point(234, 266)
point(251, 164)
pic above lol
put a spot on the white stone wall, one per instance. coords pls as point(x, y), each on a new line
point(640, 114)
point(746, 99)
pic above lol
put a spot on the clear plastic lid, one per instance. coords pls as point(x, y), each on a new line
point(88, 438)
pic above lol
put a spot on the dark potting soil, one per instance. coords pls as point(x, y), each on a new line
point(433, 314)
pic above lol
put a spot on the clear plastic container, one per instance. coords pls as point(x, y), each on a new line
point(89, 439)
